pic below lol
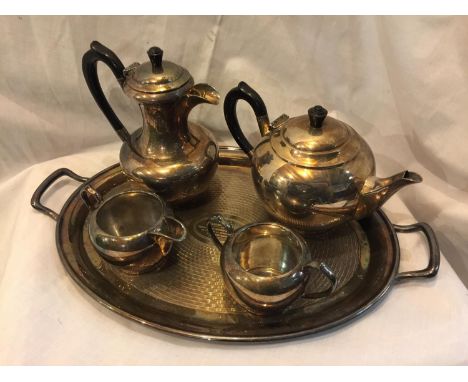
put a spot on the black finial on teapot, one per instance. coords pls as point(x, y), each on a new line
point(317, 115)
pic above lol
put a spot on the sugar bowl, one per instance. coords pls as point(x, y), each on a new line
point(266, 266)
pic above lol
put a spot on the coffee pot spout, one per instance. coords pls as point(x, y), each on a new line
point(377, 191)
point(199, 93)
point(202, 93)
point(196, 95)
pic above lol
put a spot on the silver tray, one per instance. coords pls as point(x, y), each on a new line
point(188, 296)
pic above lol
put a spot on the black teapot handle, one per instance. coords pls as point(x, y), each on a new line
point(246, 93)
point(99, 52)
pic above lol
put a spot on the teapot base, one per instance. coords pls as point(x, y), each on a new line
point(315, 223)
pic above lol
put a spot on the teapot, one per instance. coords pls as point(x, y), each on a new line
point(313, 172)
point(172, 156)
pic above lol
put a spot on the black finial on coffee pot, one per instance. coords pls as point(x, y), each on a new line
point(155, 55)
point(317, 115)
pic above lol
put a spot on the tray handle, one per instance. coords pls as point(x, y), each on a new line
point(46, 183)
point(434, 252)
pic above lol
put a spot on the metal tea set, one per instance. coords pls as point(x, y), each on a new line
point(312, 174)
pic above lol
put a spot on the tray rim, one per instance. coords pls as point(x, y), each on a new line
point(236, 158)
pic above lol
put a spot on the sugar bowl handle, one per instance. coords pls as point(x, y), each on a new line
point(218, 219)
point(99, 52)
point(246, 93)
point(327, 272)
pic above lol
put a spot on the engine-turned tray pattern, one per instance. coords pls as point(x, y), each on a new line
point(188, 296)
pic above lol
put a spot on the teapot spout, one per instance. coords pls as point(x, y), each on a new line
point(377, 191)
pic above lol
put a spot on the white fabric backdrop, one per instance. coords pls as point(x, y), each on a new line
point(400, 81)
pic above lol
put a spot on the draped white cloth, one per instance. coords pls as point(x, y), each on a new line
point(401, 82)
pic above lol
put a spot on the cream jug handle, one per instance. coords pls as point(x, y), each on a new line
point(246, 93)
point(99, 52)
point(90, 197)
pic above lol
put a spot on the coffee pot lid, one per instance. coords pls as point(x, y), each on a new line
point(154, 77)
point(316, 140)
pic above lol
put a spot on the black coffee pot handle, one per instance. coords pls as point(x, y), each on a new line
point(99, 52)
point(246, 93)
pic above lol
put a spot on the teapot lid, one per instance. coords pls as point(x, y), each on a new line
point(316, 140)
point(150, 80)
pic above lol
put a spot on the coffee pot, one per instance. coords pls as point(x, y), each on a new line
point(313, 171)
point(172, 156)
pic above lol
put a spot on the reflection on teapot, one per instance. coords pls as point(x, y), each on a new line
point(174, 157)
point(313, 172)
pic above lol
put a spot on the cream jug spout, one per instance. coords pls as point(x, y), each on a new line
point(377, 191)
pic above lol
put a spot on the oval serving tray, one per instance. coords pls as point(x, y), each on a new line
point(188, 296)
